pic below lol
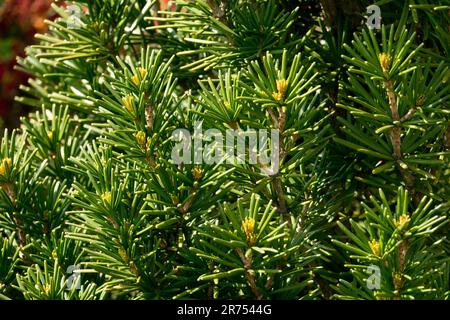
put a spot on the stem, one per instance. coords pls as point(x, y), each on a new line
point(188, 203)
point(402, 250)
point(408, 115)
point(279, 123)
point(248, 275)
point(210, 292)
point(274, 117)
point(323, 286)
point(394, 133)
point(21, 236)
point(281, 203)
point(20, 233)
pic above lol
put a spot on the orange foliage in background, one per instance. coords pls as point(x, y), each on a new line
point(28, 15)
point(19, 21)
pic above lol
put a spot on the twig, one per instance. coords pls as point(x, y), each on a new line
point(394, 133)
point(248, 275)
point(21, 236)
point(408, 115)
point(398, 283)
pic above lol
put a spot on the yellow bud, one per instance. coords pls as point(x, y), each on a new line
point(375, 247)
point(249, 227)
point(135, 79)
point(50, 135)
point(282, 85)
point(47, 288)
point(128, 102)
point(54, 254)
point(140, 138)
point(277, 96)
point(5, 165)
point(143, 73)
point(106, 197)
point(385, 61)
point(402, 222)
point(197, 172)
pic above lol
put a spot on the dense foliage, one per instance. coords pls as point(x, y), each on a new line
point(93, 205)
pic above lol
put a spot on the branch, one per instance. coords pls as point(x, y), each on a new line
point(249, 276)
point(394, 133)
point(409, 114)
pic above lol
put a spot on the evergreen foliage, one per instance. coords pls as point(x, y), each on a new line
point(89, 180)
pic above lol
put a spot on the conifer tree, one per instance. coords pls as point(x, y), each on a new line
point(94, 204)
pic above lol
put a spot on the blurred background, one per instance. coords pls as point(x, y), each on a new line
point(19, 21)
